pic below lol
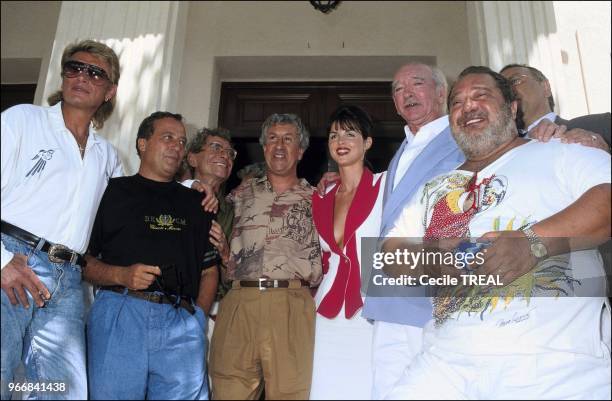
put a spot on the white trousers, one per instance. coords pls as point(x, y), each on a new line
point(437, 374)
point(456, 374)
point(342, 365)
point(394, 347)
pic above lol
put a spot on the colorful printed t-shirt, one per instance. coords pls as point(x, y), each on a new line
point(526, 185)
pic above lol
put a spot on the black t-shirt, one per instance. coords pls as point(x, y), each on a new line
point(155, 223)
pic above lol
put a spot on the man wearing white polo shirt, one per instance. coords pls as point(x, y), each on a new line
point(55, 168)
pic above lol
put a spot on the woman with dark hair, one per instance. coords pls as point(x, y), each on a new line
point(350, 209)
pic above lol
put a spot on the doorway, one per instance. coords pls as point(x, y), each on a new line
point(244, 106)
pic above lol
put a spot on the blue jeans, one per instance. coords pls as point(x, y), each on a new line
point(138, 349)
point(50, 340)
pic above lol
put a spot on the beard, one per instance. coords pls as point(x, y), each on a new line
point(476, 145)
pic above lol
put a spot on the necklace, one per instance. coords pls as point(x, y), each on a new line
point(81, 147)
point(83, 141)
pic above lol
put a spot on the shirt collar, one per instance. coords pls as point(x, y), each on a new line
point(427, 132)
point(302, 183)
point(57, 122)
point(552, 116)
point(263, 181)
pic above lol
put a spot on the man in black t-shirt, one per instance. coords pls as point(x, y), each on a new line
point(148, 250)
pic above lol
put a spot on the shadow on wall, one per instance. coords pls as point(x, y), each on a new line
point(530, 33)
point(141, 61)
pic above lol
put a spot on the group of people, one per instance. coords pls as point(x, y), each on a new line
point(298, 319)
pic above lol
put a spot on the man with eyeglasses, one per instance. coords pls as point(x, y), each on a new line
point(264, 333)
point(536, 105)
point(210, 156)
point(151, 255)
point(55, 168)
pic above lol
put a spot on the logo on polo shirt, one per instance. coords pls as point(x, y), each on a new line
point(165, 222)
point(42, 157)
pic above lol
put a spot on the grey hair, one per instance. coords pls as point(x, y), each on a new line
point(285, 119)
point(195, 146)
point(438, 77)
point(257, 169)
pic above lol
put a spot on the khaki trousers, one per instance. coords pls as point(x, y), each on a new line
point(263, 337)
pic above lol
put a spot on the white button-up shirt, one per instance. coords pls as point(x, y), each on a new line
point(552, 116)
point(416, 143)
point(47, 189)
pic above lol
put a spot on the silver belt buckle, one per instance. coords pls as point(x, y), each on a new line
point(261, 280)
point(55, 248)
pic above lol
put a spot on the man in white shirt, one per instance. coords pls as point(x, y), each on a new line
point(536, 103)
point(419, 93)
point(538, 334)
point(55, 168)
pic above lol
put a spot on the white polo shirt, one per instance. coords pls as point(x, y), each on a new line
point(47, 189)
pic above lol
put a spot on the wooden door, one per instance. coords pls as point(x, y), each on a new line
point(13, 94)
point(245, 105)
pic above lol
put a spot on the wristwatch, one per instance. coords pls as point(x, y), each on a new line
point(537, 247)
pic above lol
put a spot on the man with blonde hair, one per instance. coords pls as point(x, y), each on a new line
point(55, 168)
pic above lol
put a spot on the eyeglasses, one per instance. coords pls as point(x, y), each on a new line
point(216, 147)
point(517, 79)
point(73, 68)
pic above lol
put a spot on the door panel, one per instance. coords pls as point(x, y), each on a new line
point(245, 105)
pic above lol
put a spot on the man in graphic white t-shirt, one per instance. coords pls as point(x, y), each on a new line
point(525, 338)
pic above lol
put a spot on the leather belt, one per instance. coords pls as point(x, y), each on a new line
point(57, 253)
point(264, 284)
point(154, 297)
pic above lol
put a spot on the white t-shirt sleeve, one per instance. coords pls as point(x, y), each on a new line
point(581, 168)
point(188, 183)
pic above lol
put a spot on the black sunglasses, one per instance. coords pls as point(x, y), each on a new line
point(96, 74)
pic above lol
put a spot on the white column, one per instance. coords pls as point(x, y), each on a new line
point(523, 32)
point(148, 37)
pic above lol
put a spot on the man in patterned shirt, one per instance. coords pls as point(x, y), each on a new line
point(265, 326)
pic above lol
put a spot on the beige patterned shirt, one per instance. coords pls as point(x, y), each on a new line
point(274, 236)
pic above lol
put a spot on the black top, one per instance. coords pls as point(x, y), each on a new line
point(155, 223)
